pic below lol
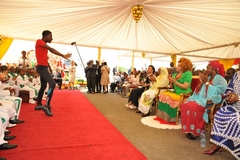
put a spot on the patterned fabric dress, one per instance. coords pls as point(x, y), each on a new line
point(226, 128)
point(169, 101)
point(193, 111)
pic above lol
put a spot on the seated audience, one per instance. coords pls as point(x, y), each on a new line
point(132, 82)
point(4, 137)
point(57, 76)
point(6, 93)
point(211, 87)
point(169, 101)
point(137, 92)
point(5, 79)
point(148, 96)
point(117, 80)
point(229, 74)
point(13, 80)
point(226, 127)
point(23, 82)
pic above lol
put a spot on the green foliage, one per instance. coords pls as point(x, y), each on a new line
point(80, 80)
point(122, 69)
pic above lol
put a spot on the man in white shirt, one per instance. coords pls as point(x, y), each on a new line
point(23, 60)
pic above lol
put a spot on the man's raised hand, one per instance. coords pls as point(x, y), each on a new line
point(68, 55)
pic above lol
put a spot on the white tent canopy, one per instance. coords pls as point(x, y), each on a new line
point(198, 28)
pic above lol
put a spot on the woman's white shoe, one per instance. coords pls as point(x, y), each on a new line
point(132, 107)
point(32, 101)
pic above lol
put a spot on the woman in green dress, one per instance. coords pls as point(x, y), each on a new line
point(169, 101)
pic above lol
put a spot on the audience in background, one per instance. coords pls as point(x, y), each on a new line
point(72, 74)
point(137, 92)
point(23, 84)
point(229, 74)
point(23, 60)
point(13, 80)
point(117, 80)
point(114, 70)
point(57, 77)
point(132, 81)
point(173, 68)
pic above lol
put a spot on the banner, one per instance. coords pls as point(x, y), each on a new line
point(5, 43)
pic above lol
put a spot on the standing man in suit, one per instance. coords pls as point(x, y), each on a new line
point(41, 50)
point(90, 71)
point(98, 77)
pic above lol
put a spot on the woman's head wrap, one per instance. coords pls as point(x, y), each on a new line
point(218, 67)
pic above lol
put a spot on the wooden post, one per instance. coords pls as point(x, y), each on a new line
point(132, 60)
point(99, 54)
point(174, 58)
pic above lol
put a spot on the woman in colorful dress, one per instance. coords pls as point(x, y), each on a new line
point(148, 96)
point(210, 89)
point(72, 74)
point(226, 126)
point(169, 101)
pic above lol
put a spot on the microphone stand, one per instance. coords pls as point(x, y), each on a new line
point(74, 43)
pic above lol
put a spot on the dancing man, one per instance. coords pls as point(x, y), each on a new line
point(43, 70)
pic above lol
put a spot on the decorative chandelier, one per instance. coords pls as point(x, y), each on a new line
point(137, 12)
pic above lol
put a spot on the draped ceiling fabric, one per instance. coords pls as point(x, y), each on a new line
point(197, 28)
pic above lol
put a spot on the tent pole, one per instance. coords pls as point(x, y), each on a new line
point(174, 58)
point(132, 60)
point(99, 54)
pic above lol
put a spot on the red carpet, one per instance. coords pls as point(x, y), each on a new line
point(77, 131)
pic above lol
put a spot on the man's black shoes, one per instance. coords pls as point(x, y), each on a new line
point(7, 133)
point(38, 107)
point(16, 121)
point(7, 146)
point(7, 138)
